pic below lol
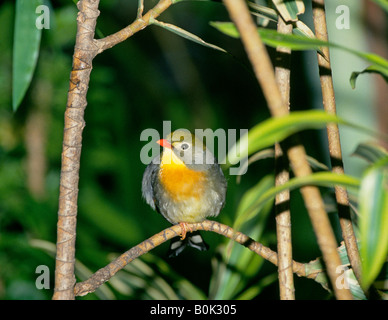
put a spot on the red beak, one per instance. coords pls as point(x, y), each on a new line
point(164, 143)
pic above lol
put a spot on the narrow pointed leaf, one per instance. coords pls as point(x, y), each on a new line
point(323, 179)
point(371, 69)
point(243, 264)
point(289, 9)
point(263, 12)
point(185, 34)
point(373, 210)
point(250, 198)
point(274, 130)
point(304, 42)
point(371, 152)
point(25, 48)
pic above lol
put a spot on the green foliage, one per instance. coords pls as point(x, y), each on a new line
point(232, 276)
point(157, 76)
point(26, 48)
point(185, 34)
point(305, 42)
point(273, 130)
point(289, 10)
point(373, 218)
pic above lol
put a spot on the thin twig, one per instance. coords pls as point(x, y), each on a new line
point(140, 9)
point(104, 274)
point(282, 199)
point(333, 135)
point(263, 69)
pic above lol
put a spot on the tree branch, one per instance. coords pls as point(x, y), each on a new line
point(86, 48)
point(333, 135)
point(104, 274)
point(139, 24)
point(71, 149)
point(282, 199)
point(263, 69)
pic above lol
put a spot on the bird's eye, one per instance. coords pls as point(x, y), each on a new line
point(184, 146)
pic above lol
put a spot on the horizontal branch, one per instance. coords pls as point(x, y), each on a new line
point(104, 274)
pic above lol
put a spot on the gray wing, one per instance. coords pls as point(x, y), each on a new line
point(220, 186)
point(149, 177)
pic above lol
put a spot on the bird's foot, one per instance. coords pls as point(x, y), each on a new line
point(185, 227)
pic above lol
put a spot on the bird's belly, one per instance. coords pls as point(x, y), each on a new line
point(182, 183)
point(186, 197)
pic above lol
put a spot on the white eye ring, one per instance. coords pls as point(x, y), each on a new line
point(185, 146)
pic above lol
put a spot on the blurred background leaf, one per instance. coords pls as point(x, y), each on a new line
point(382, 3)
point(25, 48)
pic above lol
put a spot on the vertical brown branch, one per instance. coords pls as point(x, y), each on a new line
point(282, 199)
point(86, 48)
point(329, 104)
point(264, 72)
point(72, 141)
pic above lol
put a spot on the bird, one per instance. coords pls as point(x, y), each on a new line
point(185, 184)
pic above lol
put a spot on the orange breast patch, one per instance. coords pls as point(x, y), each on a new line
point(180, 182)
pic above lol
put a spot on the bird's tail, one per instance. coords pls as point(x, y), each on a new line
point(194, 240)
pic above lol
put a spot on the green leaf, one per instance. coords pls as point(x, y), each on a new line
point(239, 264)
point(270, 153)
point(185, 34)
point(298, 42)
point(274, 130)
point(371, 152)
point(25, 48)
point(263, 12)
point(249, 199)
point(373, 211)
point(289, 9)
point(323, 179)
point(371, 69)
point(299, 27)
point(227, 28)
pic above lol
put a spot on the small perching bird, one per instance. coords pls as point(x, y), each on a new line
point(186, 185)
